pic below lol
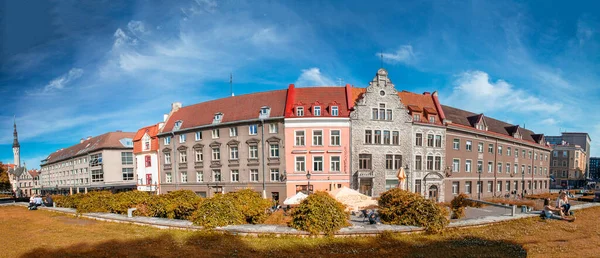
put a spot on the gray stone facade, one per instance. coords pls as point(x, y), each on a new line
point(371, 177)
point(431, 179)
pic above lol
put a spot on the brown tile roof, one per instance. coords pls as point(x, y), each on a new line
point(109, 140)
point(152, 131)
point(313, 96)
point(464, 118)
point(33, 173)
point(238, 108)
point(357, 93)
point(423, 101)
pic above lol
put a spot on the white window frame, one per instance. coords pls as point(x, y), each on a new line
point(233, 132)
point(183, 175)
point(296, 163)
point(182, 156)
point(272, 172)
point(168, 177)
point(250, 152)
point(215, 133)
point(456, 165)
point(331, 163)
point(182, 138)
point(250, 129)
point(322, 163)
point(234, 155)
point(339, 138)
point(273, 128)
point(252, 174)
point(469, 165)
point(167, 140)
point(199, 176)
point(469, 145)
point(235, 177)
point(456, 144)
point(198, 135)
point(217, 153)
point(334, 111)
point(313, 137)
point(271, 149)
point(299, 111)
point(167, 158)
point(480, 147)
point(317, 110)
point(303, 137)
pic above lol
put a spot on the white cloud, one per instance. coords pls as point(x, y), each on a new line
point(475, 91)
point(122, 39)
point(584, 32)
point(60, 82)
point(137, 27)
point(404, 55)
point(266, 36)
point(313, 77)
point(549, 121)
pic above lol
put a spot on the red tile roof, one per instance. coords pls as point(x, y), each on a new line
point(325, 97)
point(34, 172)
point(238, 108)
point(152, 131)
point(109, 140)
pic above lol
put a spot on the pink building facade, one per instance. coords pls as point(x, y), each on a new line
point(317, 139)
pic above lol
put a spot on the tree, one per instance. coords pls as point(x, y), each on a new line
point(4, 180)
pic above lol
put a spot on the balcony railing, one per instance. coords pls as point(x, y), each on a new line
point(365, 174)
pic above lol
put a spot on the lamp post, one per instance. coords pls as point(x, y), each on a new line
point(407, 180)
point(479, 169)
point(308, 186)
point(523, 182)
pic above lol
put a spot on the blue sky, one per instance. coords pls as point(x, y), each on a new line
point(72, 69)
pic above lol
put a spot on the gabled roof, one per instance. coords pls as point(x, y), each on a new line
point(33, 172)
point(423, 101)
point(325, 96)
point(476, 119)
point(237, 108)
point(152, 131)
point(462, 117)
point(111, 140)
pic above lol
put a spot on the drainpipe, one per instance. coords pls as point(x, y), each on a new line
point(495, 168)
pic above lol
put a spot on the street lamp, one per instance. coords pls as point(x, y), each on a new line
point(308, 177)
point(479, 169)
point(523, 182)
point(406, 170)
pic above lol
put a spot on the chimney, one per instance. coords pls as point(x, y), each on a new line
point(175, 106)
point(82, 140)
point(89, 137)
point(427, 93)
point(165, 116)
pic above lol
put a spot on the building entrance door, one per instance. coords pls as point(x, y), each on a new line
point(433, 193)
point(366, 187)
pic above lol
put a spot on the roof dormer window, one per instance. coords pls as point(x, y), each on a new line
point(264, 112)
point(334, 111)
point(218, 117)
point(178, 124)
point(432, 119)
point(317, 111)
point(299, 111)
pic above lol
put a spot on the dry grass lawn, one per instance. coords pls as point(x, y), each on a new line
point(47, 234)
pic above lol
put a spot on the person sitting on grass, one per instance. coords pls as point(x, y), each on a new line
point(31, 202)
point(49, 202)
point(549, 209)
point(563, 203)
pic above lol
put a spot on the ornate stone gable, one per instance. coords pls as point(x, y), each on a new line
point(381, 112)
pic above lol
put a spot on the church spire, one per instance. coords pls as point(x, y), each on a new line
point(16, 137)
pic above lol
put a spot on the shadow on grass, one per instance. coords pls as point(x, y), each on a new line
point(206, 244)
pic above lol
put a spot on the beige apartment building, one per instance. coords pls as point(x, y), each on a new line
point(104, 162)
point(568, 164)
point(220, 146)
point(487, 157)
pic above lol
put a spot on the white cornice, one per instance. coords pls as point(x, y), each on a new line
point(317, 122)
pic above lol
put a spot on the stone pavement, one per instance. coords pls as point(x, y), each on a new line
point(357, 229)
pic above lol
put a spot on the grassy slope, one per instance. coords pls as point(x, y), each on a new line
point(46, 234)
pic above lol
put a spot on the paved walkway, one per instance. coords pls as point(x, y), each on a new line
point(357, 229)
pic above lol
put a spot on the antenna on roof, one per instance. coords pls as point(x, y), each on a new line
point(381, 58)
point(341, 81)
point(231, 83)
point(524, 126)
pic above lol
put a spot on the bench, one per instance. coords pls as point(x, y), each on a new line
point(130, 212)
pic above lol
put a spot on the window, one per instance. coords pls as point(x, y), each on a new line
point(507, 168)
point(469, 146)
point(529, 170)
point(419, 139)
point(146, 145)
point(299, 111)
point(335, 138)
point(555, 163)
point(499, 150)
point(468, 187)
point(273, 128)
point(516, 153)
point(429, 140)
point(317, 110)
point(456, 165)
point(274, 150)
point(382, 111)
point(508, 151)
point(233, 131)
point(479, 166)
point(147, 161)
point(555, 154)
point(395, 138)
point(535, 156)
point(127, 174)
point(388, 114)
point(377, 136)
point(199, 136)
point(516, 168)
point(389, 161)
point(335, 163)
point(418, 186)
point(480, 147)
point(215, 133)
point(300, 164)
point(318, 163)
point(455, 187)
point(334, 111)
point(216, 175)
point(375, 114)
point(181, 138)
point(253, 149)
point(386, 137)
point(127, 158)
point(467, 165)
point(253, 175)
point(167, 158)
point(299, 138)
point(235, 175)
point(199, 176)
point(438, 141)
point(564, 163)
point(364, 161)
point(564, 154)
point(216, 153)
point(456, 144)
point(97, 175)
point(432, 119)
point(182, 156)
point(499, 186)
point(317, 138)
point(429, 162)
point(233, 152)
point(253, 129)
point(198, 154)
point(418, 162)
point(169, 178)
point(417, 117)
point(564, 173)
point(184, 177)
point(523, 152)
point(490, 148)
point(529, 156)
point(499, 168)
point(167, 140)
point(438, 163)
point(274, 175)
point(368, 136)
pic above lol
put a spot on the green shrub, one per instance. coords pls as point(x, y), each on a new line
point(130, 199)
point(251, 204)
point(94, 202)
point(458, 204)
point(67, 201)
point(399, 207)
point(218, 211)
point(319, 212)
point(179, 204)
